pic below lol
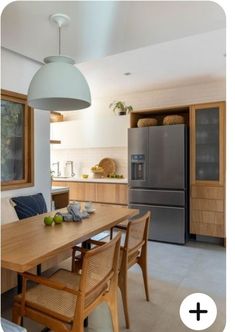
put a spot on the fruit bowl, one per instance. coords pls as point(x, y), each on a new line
point(97, 169)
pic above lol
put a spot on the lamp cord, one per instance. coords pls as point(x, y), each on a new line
point(59, 40)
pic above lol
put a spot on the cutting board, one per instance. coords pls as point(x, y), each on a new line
point(108, 165)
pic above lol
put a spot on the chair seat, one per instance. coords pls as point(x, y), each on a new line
point(131, 258)
point(57, 303)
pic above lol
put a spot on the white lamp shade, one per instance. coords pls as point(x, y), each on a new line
point(58, 85)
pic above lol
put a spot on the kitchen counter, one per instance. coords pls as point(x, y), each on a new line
point(58, 189)
point(101, 180)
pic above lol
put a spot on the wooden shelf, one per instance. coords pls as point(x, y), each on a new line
point(159, 114)
point(54, 141)
point(56, 117)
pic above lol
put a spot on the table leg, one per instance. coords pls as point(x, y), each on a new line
point(86, 245)
point(19, 283)
point(39, 270)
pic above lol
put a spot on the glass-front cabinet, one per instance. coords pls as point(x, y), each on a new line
point(207, 169)
point(207, 141)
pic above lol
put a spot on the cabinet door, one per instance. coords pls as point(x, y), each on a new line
point(111, 193)
point(76, 191)
point(207, 143)
point(207, 164)
point(90, 191)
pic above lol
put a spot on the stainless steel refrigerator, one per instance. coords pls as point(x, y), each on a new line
point(157, 179)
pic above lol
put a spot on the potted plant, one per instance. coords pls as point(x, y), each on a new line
point(121, 107)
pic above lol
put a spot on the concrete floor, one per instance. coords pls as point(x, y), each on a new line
point(174, 272)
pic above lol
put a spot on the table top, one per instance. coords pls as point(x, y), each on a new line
point(29, 242)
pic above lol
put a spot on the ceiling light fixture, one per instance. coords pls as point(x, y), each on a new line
point(59, 85)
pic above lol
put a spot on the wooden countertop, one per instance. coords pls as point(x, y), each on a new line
point(29, 242)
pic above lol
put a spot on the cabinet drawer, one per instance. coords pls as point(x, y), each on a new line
point(207, 229)
point(207, 204)
point(207, 192)
point(207, 217)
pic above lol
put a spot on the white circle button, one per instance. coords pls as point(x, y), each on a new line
point(198, 311)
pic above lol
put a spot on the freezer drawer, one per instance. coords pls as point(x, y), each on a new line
point(156, 197)
point(167, 223)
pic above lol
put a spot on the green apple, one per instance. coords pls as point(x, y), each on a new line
point(48, 220)
point(58, 219)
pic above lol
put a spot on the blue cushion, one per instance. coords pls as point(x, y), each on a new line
point(29, 206)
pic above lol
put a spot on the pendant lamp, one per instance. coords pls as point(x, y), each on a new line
point(59, 85)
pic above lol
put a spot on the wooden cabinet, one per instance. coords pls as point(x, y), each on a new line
point(207, 169)
point(60, 199)
point(206, 124)
point(89, 193)
point(112, 193)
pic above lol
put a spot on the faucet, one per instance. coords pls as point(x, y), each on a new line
point(70, 162)
point(57, 168)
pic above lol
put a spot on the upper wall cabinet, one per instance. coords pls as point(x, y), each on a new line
point(92, 133)
point(207, 143)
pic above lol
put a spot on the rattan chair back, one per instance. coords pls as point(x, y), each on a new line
point(99, 266)
point(137, 233)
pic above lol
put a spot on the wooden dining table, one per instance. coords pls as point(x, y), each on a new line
point(28, 243)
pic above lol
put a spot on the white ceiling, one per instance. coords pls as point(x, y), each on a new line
point(189, 60)
point(161, 43)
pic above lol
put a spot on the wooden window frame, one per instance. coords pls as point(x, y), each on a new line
point(28, 177)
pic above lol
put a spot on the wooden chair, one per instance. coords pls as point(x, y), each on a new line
point(133, 252)
point(64, 300)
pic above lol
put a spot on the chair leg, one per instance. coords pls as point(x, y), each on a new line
point(73, 261)
point(16, 317)
point(78, 326)
point(113, 308)
point(122, 283)
point(143, 265)
point(111, 233)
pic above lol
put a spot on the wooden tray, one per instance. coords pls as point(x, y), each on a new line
point(108, 165)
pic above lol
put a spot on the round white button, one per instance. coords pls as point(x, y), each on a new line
point(198, 311)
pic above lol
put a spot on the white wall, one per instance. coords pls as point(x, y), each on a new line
point(84, 159)
point(17, 73)
point(100, 111)
point(161, 98)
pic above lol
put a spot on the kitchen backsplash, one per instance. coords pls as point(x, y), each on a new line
point(84, 159)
